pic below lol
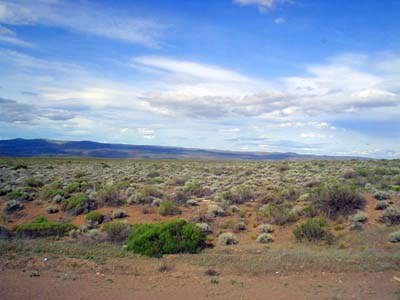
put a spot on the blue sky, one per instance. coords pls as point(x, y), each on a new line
point(319, 77)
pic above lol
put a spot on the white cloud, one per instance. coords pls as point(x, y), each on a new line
point(82, 17)
point(8, 36)
point(262, 5)
point(146, 131)
point(27, 61)
point(202, 71)
point(230, 130)
point(312, 135)
point(279, 20)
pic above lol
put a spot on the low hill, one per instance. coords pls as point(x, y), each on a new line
point(43, 147)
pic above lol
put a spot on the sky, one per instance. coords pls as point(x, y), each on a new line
point(305, 76)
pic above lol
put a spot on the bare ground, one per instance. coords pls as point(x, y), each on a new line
point(15, 284)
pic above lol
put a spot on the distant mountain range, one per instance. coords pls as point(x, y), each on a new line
point(43, 147)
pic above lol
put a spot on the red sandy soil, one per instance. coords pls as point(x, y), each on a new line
point(176, 284)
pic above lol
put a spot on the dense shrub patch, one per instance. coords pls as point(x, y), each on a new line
point(168, 208)
point(117, 232)
point(174, 236)
point(40, 227)
point(314, 229)
point(335, 198)
point(94, 216)
point(78, 204)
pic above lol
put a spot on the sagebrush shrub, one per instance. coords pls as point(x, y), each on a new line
point(381, 205)
point(335, 198)
point(394, 237)
point(109, 195)
point(227, 238)
point(264, 238)
point(314, 229)
point(168, 208)
point(117, 232)
point(390, 216)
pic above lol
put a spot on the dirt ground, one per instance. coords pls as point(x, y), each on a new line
point(26, 276)
point(15, 284)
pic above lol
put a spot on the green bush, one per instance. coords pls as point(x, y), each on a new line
point(77, 204)
point(40, 227)
point(394, 237)
point(19, 196)
point(33, 182)
point(335, 198)
point(72, 187)
point(51, 193)
point(94, 216)
point(168, 208)
point(173, 236)
point(118, 232)
point(314, 229)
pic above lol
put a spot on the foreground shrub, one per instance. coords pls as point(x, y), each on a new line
point(394, 237)
point(117, 232)
point(168, 208)
point(314, 229)
point(169, 237)
point(334, 199)
point(40, 227)
point(390, 216)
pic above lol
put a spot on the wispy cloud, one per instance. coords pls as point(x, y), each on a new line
point(262, 5)
point(83, 17)
point(190, 68)
point(10, 37)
